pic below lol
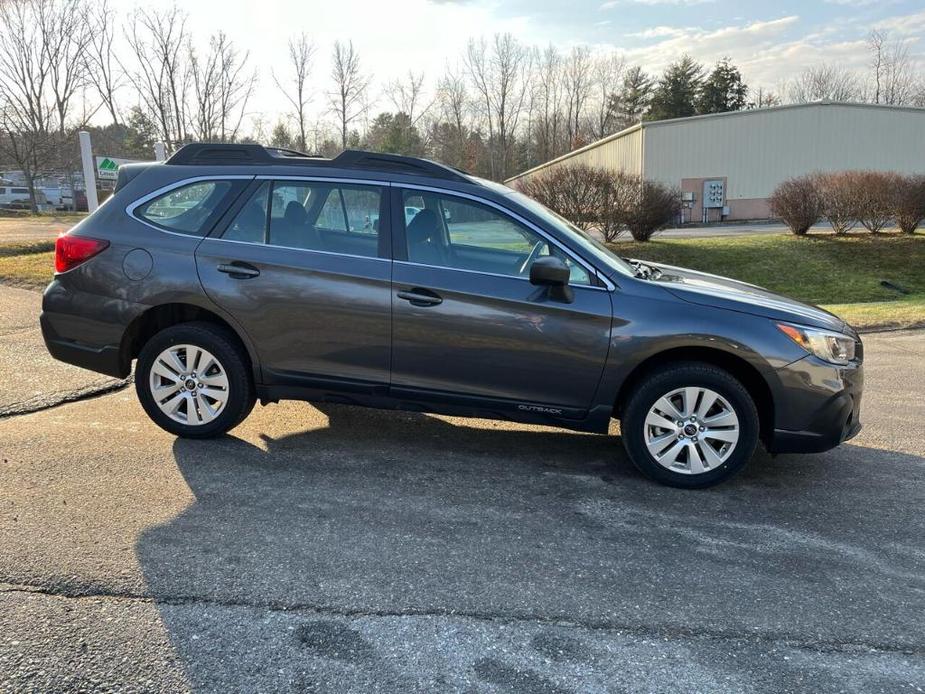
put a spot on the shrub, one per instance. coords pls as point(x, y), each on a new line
point(796, 201)
point(650, 206)
point(610, 202)
point(908, 202)
point(839, 198)
point(572, 191)
point(617, 190)
point(873, 191)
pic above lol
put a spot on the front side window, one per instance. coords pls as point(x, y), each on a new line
point(313, 216)
point(185, 209)
point(447, 231)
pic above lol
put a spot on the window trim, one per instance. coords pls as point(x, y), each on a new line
point(590, 269)
point(163, 190)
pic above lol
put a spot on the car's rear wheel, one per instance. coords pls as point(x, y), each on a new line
point(193, 380)
point(690, 425)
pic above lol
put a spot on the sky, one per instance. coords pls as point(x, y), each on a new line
point(769, 40)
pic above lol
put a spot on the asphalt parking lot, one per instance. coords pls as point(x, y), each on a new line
point(339, 549)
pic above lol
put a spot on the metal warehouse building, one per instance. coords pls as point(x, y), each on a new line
point(733, 161)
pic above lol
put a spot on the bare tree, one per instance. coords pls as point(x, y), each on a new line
point(301, 58)
point(764, 98)
point(548, 84)
point(824, 82)
point(36, 89)
point(65, 38)
point(607, 79)
point(221, 88)
point(450, 133)
point(892, 69)
point(348, 99)
point(102, 68)
point(578, 80)
point(159, 43)
point(407, 96)
point(499, 76)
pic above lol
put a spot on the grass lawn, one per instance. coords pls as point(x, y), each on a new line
point(842, 274)
point(28, 270)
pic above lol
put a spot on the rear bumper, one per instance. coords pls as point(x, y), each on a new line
point(103, 358)
point(85, 329)
point(818, 407)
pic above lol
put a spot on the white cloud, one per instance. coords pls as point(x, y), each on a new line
point(657, 32)
point(614, 3)
point(748, 45)
point(861, 3)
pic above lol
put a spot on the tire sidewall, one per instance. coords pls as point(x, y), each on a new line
point(672, 378)
point(240, 396)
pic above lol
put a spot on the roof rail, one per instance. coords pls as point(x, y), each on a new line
point(231, 154)
point(360, 159)
point(209, 153)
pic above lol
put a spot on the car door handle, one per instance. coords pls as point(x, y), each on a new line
point(421, 297)
point(239, 271)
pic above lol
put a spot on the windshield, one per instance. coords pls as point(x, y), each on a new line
point(587, 242)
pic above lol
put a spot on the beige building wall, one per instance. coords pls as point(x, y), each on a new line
point(756, 150)
point(621, 152)
point(753, 151)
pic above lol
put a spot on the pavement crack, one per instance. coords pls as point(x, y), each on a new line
point(662, 632)
point(48, 401)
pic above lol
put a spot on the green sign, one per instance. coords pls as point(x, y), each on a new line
point(107, 168)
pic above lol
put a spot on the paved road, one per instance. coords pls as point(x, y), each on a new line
point(31, 378)
point(341, 549)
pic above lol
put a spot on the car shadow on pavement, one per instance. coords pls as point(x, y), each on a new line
point(392, 514)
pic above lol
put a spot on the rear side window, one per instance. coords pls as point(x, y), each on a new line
point(312, 216)
point(186, 209)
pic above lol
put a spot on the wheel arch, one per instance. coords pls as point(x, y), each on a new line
point(743, 370)
point(156, 318)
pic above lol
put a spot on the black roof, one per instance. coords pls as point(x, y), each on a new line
point(206, 154)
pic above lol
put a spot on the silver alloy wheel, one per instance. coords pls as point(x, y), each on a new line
point(691, 430)
point(189, 384)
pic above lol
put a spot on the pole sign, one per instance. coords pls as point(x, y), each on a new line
point(107, 168)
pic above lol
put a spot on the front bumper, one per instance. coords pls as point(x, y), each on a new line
point(817, 407)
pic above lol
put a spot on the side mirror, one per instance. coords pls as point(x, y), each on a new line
point(549, 271)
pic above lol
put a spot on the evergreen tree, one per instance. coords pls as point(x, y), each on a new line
point(676, 94)
point(629, 105)
point(395, 133)
point(282, 137)
point(723, 90)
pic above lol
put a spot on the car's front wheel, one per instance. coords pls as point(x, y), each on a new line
point(193, 380)
point(690, 425)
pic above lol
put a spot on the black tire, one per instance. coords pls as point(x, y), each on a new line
point(225, 347)
point(686, 374)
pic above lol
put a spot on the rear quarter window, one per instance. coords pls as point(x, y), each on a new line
point(189, 209)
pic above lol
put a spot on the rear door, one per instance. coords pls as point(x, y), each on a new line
point(303, 265)
point(468, 323)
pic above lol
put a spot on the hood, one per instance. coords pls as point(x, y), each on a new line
point(722, 292)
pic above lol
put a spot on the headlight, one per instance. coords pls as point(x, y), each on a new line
point(832, 347)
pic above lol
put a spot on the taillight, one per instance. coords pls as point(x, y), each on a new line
point(71, 251)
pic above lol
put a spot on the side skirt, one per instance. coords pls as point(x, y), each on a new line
point(597, 420)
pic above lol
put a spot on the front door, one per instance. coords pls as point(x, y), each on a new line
point(304, 268)
point(467, 321)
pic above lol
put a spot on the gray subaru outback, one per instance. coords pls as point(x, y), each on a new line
point(232, 273)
